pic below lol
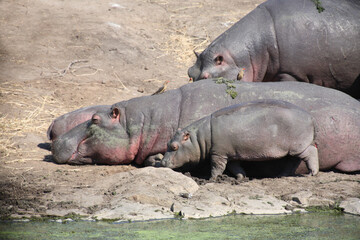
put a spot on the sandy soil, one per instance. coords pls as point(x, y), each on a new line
point(57, 56)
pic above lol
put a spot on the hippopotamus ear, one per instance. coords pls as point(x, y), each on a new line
point(219, 59)
point(186, 136)
point(196, 54)
point(115, 112)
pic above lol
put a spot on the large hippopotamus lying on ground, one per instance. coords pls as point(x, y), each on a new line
point(289, 40)
point(133, 130)
point(261, 130)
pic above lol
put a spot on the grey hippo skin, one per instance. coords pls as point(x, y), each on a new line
point(254, 131)
point(69, 120)
point(289, 40)
point(141, 127)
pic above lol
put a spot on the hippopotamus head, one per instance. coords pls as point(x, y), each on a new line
point(181, 150)
point(189, 147)
point(99, 140)
point(214, 62)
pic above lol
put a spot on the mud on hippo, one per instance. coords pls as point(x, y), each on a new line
point(133, 130)
point(255, 131)
point(289, 40)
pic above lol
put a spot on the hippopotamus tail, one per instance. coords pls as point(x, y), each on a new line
point(49, 131)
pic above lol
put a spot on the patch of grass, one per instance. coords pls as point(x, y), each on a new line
point(179, 215)
point(335, 209)
point(35, 118)
point(182, 45)
point(232, 213)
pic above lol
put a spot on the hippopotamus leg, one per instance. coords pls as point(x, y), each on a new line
point(218, 165)
point(235, 168)
point(310, 157)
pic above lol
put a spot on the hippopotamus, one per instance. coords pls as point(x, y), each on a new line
point(134, 130)
point(289, 40)
point(251, 131)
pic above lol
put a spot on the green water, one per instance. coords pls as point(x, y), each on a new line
point(297, 226)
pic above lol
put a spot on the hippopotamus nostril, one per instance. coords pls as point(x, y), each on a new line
point(174, 146)
point(205, 75)
point(95, 119)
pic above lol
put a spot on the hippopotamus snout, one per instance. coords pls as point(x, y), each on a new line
point(65, 147)
point(194, 72)
point(165, 163)
point(168, 159)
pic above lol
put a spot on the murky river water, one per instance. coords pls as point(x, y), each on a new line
point(298, 226)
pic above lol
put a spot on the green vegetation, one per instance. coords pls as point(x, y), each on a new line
point(336, 209)
point(179, 215)
point(318, 5)
point(230, 89)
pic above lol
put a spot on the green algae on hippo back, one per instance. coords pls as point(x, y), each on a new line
point(230, 88)
point(145, 124)
point(289, 40)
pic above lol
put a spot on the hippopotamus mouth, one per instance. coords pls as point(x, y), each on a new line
point(166, 162)
point(169, 161)
point(77, 157)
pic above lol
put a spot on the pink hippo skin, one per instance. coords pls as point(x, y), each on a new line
point(133, 130)
point(254, 131)
point(289, 40)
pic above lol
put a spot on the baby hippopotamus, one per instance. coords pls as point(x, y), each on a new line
point(253, 131)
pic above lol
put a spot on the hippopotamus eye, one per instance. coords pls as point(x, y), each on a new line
point(174, 146)
point(95, 119)
point(218, 60)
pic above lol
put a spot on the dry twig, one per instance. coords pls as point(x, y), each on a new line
point(117, 77)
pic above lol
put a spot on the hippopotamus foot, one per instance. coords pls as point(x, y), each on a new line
point(235, 168)
point(310, 157)
point(218, 165)
point(154, 161)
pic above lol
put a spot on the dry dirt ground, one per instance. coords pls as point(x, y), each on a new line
point(57, 56)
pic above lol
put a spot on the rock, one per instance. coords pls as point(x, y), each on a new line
point(306, 199)
point(148, 193)
point(301, 198)
point(186, 195)
point(351, 205)
point(21, 220)
point(299, 210)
